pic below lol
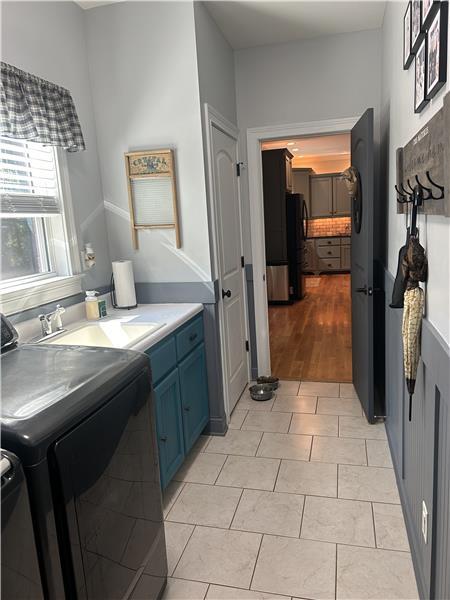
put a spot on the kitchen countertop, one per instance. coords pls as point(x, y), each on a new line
point(172, 315)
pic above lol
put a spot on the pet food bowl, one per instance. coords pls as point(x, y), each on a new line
point(272, 381)
point(261, 392)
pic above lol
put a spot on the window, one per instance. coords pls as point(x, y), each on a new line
point(35, 222)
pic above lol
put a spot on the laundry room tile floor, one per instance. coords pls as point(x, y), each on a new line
point(298, 500)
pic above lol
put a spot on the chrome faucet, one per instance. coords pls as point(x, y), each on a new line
point(50, 318)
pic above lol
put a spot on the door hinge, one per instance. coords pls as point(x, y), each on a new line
point(239, 166)
point(242, 262)
point(247, 346)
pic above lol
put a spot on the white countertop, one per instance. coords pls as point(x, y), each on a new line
point(172, 315)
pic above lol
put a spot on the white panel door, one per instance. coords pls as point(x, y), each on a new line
point(229, 248)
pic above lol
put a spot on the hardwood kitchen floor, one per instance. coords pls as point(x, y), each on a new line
point(311, 339)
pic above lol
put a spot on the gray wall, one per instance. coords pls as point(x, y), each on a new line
point(421, 449)
point(399, 124)
point(215, 62)
point(48, 40)
point(323, 78)
point(143, 65)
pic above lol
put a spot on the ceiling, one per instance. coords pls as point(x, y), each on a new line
point(258, 23)
point(325, 146)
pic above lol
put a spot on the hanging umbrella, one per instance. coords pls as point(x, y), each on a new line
point(415, 268)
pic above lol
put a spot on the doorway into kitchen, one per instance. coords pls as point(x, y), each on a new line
point(307, 227)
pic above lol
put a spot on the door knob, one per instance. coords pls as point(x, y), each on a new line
point(226, 293)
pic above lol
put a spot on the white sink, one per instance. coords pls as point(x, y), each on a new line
point(110, 334)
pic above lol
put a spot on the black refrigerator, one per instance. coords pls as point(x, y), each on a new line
point(296, 234)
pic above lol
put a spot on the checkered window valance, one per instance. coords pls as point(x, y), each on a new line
point(34, 109)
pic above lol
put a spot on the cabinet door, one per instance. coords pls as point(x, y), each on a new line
point(169, 426)
point(274, 205)
point(341, 198)
point(345, 257)
point(288, 174)
point(321, 196)
point(301, 185)
point(194, 395)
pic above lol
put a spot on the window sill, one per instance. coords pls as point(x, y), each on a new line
point(31, 295)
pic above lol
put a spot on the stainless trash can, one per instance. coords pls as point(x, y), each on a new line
point(278, 283)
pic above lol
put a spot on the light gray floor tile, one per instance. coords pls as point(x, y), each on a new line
point(246, 403)
point(267, 421)
point(285, 445)
point(347, 390)
point(248, 472)
point(339, 521)
point(237, 418)
point(358, 427)
point(181, 589)
point(201, 468)
point(177, 536)
point(296, 568)
point(339, 450)
point(350, 407)
point(299, 404)
point(390, 527)
point(269, 512)
point(201, 504)
point(372, 574)
point(314, 424)
point(319, 388)
point(200, 444)
point(235, 441)
point(219, 592)
point(220, 556)
point(298, 477)
point(288, 388)
point(378, 454)
point(170, 494)
point(368, 483)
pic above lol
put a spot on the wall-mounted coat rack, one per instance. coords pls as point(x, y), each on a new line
point(424, 164)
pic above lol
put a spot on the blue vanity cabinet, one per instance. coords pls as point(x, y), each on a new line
point(169, 426)
point(194, 395)
point(181, 394)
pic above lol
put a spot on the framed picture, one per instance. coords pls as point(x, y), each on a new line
point(420, 88)
point(437, 51)
point(407, 54)
point(416, 25)
point(429, 8)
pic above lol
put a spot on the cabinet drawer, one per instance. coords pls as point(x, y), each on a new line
point(329, 264)
point(163, 358)
point(189, 337)
point(328, 242)
point(328, 251)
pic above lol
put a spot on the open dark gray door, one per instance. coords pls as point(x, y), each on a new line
point(362, 147)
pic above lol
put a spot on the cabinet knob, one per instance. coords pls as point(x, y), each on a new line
point(192, 337)
point(329, 251)
point(163, 438)
point(187, 408)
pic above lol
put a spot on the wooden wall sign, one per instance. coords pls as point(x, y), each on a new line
point(152, 193)
point(428, 150)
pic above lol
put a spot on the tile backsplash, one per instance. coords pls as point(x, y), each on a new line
point(329, 227)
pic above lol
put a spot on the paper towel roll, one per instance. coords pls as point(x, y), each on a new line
point(125, 294)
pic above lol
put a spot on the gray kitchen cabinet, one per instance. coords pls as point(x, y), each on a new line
point(329, 196)
point(345, 258)
point(301, 184)
point(321, 196)
point(341, 198)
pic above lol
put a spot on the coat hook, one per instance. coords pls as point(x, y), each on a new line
point(440, 187)
point(423, 188)
point(410, 186)
point(404, 197)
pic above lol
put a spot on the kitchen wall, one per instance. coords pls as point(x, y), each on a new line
point(323, 78)
point(48, 40)
point(215, 61)
point(322, 165)
point(143, 66)
point(399, 124)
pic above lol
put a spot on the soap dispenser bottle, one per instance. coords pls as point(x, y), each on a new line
point(91, 304)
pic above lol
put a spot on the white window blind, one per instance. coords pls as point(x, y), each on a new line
point(28, 179)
